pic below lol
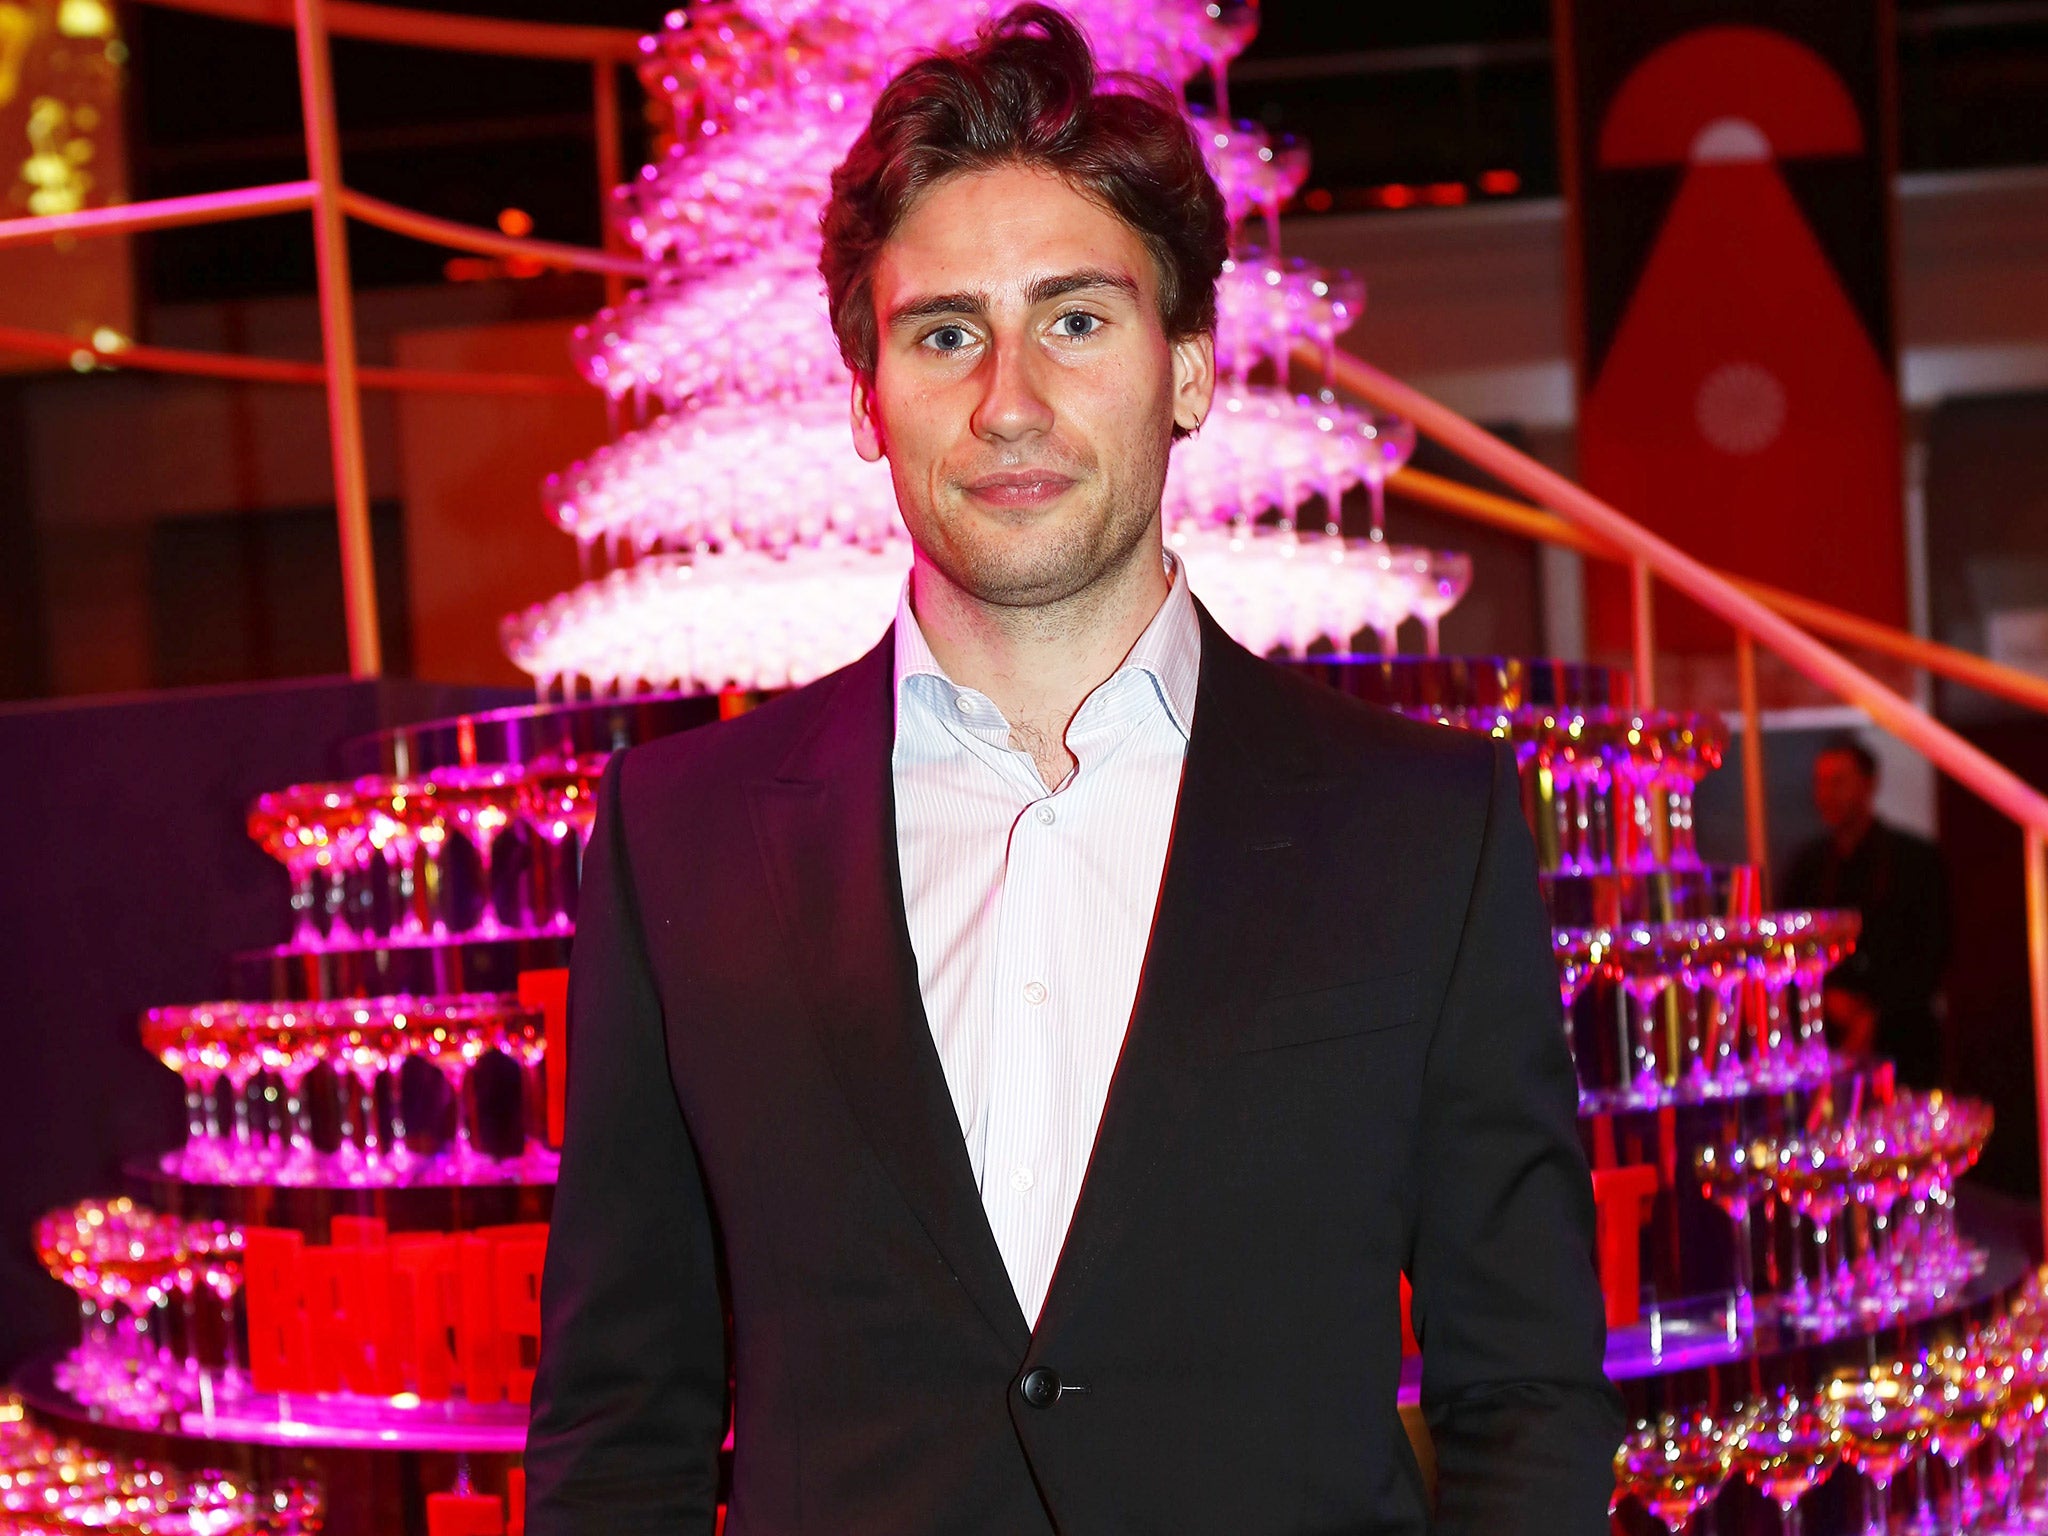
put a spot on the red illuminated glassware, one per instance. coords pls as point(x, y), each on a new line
point(1645, 955)
point(1734, 1176)
point(480, 802)
point(1884, 1422)
point(558, 799)
point(1785, 1449)
point(404, 822)
point(1674, 1465)
point(300, 827)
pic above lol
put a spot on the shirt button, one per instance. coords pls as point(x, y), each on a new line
point(1021, 1179)
point(1034, 992)
point(1047, 815)
point(963, 703)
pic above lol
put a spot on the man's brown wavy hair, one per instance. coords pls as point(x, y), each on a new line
point(1027, 93)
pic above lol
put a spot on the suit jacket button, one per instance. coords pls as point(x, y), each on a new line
point(1041, 1387)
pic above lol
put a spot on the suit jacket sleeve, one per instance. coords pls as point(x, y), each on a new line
point(1507, 1304)
point(629, 1398)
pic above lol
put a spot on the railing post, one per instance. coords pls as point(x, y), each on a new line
point(1643, 619)
point(2037, 992)
point(604, 97)
point(1755, 805)
point(338, 341)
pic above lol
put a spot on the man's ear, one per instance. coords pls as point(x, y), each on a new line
point(1194, 379)
point(867, 431)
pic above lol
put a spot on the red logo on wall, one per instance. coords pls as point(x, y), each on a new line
point(1739, 402)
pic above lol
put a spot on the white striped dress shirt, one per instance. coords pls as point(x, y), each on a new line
point(1030, 910)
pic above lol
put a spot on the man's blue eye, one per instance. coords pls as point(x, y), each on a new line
point(949, 338)
point(1077, 324)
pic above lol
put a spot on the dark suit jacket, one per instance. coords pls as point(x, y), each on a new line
point(1346, 1061)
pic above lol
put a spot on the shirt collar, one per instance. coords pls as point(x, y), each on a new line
point(1169, 651)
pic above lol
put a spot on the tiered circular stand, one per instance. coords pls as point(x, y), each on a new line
point(379, 1458)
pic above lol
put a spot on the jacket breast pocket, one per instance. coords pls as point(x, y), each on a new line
point(1361, 1007)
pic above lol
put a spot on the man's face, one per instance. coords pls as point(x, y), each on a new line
point(1842, 791)
point(1024, 392)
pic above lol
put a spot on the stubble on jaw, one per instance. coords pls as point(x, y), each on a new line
point(1055, 588)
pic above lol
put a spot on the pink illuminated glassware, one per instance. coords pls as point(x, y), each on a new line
point(1675, 1464)
point(480, 804)
point(557, 797)
point(1786, 1450)
point(452, 1048)
point(296, 827)
point(405, 825)
point(178, 1038)
point(1644, 956)
point(1734, 1176)
point(1442, 580)
point(1389, 444)
point(1885, 1424)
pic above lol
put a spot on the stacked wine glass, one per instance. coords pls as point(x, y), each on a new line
point(401, 858)
point(283, 1067)
point(1838, 1189)
point(52, 1484)
point(750, 545)
point(1941, 1441)
point(156, 1298)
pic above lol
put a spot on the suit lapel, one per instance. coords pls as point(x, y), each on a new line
point(826, 826)
point(1240, 830)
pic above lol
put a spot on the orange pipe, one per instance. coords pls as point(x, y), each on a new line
point(1642, 618)
point(1961, 666)
point(2036, 855)
point(338, 342)
point(467, 237)
point(161, 213)
point(1973, 768)
point(1755, 805)
point(277, 370)
point(419, 28)
point(604, 108)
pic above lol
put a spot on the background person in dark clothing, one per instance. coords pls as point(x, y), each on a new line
point(1882, 997)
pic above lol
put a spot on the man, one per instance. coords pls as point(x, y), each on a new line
point(1054, 1036)
point(1882, 998)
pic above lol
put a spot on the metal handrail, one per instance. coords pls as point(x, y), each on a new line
point(1947, 661)
point(1650, 556)
point(410, 27)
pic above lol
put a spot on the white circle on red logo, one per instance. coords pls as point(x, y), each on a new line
point(1740, 408)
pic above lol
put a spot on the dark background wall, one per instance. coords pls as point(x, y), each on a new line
point(129, 879)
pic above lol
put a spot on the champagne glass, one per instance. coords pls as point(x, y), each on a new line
point(283, 1038)
point(523, 1037)
point(178, 1038)
point(1385, 444)
point(558, 799)
point(1785, 1451)
point(1582, 954)
point(1644, 953)
point(450, 1041)
point(1675, 1464)
point(480, 801)
point(1732, 1175)
point(1442, 579)
point(1968, 1397)
point(358, 1050)
point(1884, 1425)
point(294, 826)
point(217, 1248)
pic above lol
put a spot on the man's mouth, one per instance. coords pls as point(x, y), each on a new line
point(1019, 488)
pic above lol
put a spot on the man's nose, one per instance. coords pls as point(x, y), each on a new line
point(1013, 404)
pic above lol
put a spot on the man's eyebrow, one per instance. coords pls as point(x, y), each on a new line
point(1046, 289)
point(971, 304)
point(1042, 291)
